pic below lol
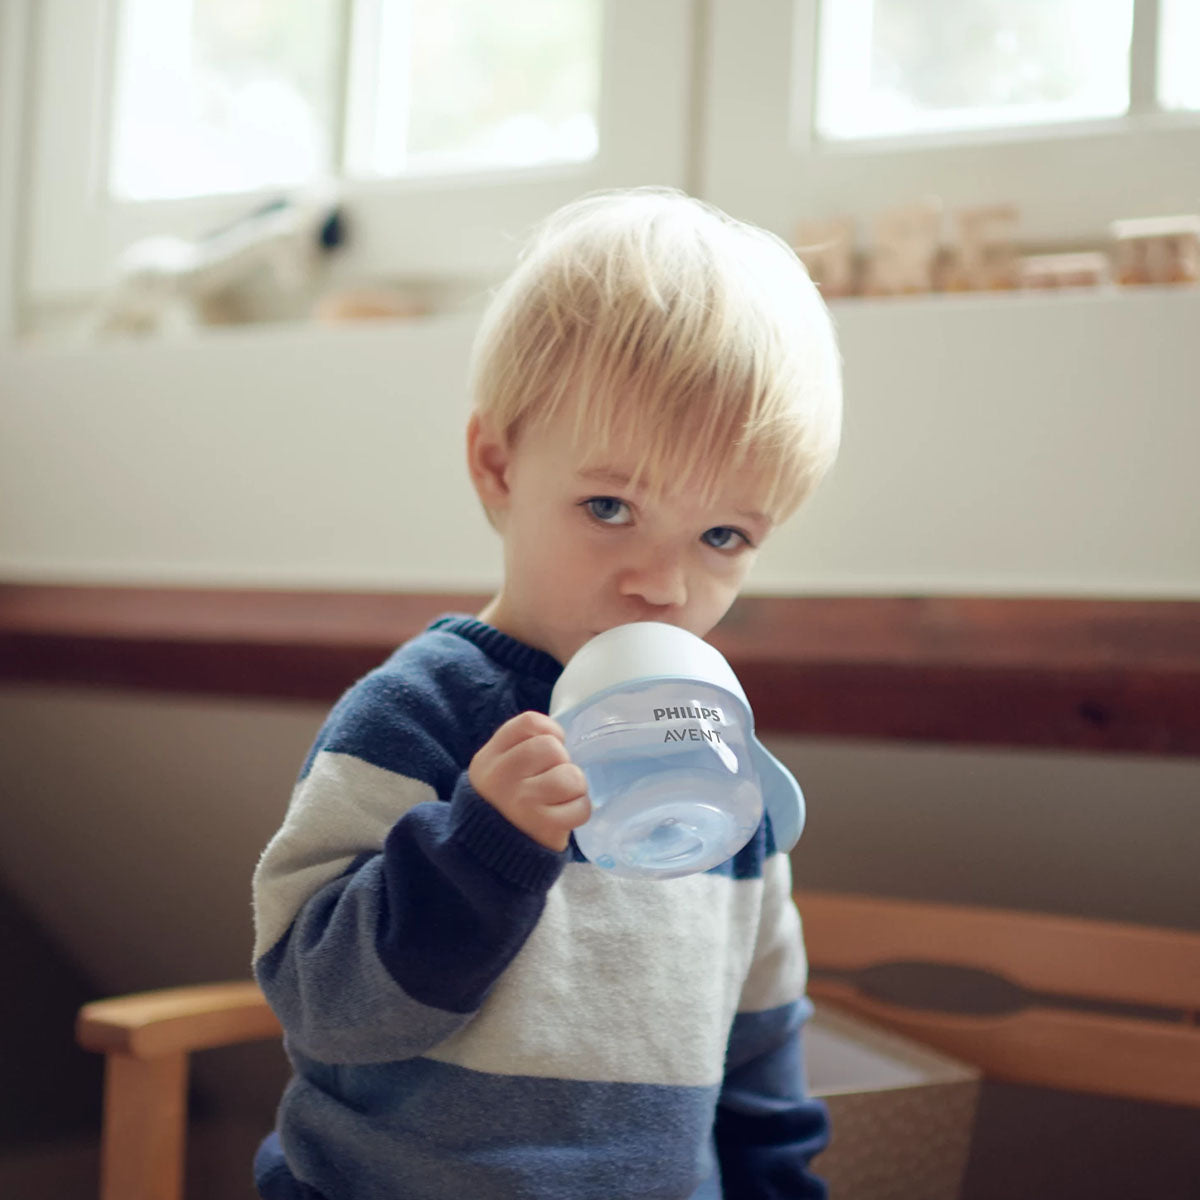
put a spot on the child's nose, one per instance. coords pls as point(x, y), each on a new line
point(660, 581)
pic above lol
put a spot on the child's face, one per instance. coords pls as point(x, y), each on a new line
point(584, 551)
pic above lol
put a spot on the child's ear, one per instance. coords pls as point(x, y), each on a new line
point(488, 458)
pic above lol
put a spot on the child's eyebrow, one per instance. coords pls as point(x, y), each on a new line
point(755, 516)
point(605, 475)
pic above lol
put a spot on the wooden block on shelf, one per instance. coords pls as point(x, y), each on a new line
point(1157, 250)
point(982, 256)
point(827, 249)
point(1074, 270)
point(905, 250)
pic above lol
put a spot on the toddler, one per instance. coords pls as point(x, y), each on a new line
point(472, 1010)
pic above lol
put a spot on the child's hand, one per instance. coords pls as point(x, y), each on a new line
point(525, 773)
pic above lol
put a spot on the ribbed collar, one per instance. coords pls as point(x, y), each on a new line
point(501, 648)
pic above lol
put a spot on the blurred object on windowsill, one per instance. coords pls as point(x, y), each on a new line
point(171, 285)
point(827, 249)
point(910, 254)
point(1157, 250)
point(368, 304)
point(982, 256)
point(904, 255)
point(1050, 271)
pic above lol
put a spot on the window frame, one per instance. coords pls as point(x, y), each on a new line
point(1069, 180)
point(74, 231)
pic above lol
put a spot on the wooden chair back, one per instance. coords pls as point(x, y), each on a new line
point(1094, 1006)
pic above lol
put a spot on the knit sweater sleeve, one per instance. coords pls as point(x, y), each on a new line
point(768, 1128)
point(393, 896)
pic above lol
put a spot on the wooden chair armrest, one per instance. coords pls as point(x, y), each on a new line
point(177, 1020)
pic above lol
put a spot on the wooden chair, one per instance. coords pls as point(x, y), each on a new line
point(146, 1040)
point(1053, 962)
point(1100, 1007)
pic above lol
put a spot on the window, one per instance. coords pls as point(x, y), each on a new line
point(215, 96)
point(430, 99)
point(1178, 54)
point(888, 67)
point(449, 125)
point(1078, 112)
point(896, 67)
point(246, 96)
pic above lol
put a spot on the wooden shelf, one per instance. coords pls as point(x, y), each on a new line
point(1064, 673)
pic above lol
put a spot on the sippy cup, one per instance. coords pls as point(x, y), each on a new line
point(659, 724)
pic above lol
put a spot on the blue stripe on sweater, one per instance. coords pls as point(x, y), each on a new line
point(757, 1033)
point(460, 1133)
point(436, 700)
point(368, 953)
point(331, 991)
point(766, 1128)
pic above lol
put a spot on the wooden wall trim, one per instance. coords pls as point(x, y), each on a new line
point(1066, 673)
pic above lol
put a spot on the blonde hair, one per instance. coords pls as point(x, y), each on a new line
point(651, 317)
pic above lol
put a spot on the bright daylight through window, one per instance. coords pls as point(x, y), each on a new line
point(1179, 54)
point(220, 96)
point(901, 67)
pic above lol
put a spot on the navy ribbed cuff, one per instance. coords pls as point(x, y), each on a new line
point(499, 845)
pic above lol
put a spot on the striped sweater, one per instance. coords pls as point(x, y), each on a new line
point(470, 1015)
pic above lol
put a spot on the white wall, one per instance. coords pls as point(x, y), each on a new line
point(1001, 444)
point(296, 454)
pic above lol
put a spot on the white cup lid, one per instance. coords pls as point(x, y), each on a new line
point(651, 651)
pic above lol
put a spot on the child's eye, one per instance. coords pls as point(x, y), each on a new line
point(724, 537)
point(608, 510)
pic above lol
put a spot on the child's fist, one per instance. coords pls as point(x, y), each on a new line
point(525, 773)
